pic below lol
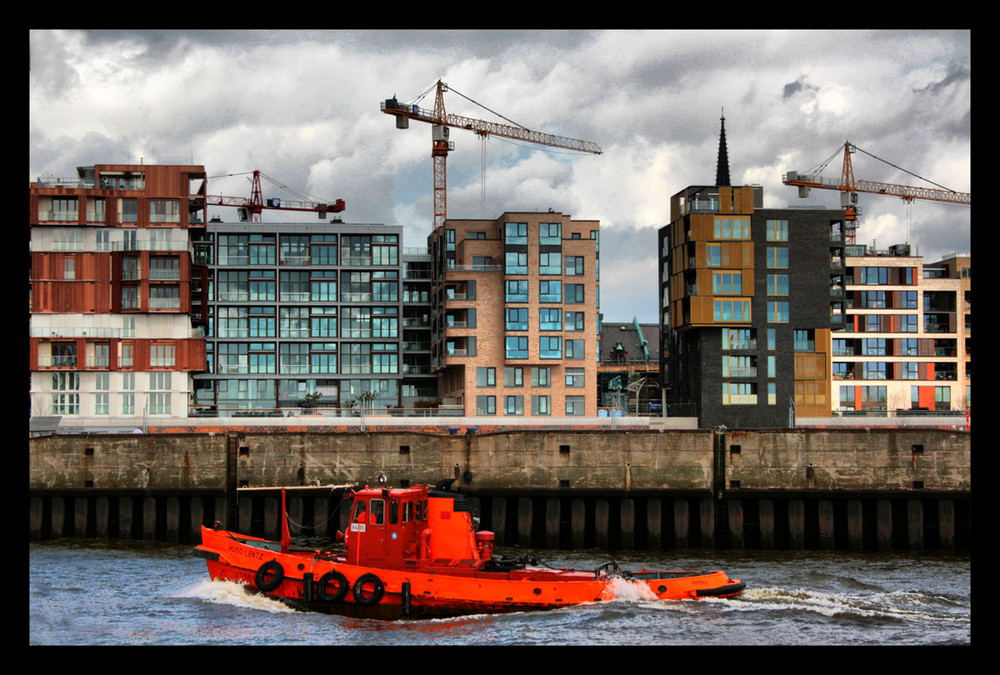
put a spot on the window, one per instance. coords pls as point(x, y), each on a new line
point(777, 230)
point(516, 347)
point(550, 347)
point(738, 338)
point(574, 265)
point(486, 377)
point(574, 293)
point(873, 347)
point(517, 318)
point(66, 393)
point(575, 377)
point(739, 393)
point(575, 349)
point(486, 405)
point(777, 312)
point(575, 405)
point(550, 234)
point(777, 284)
point(541, 376)
point(516, 262)
point(874, 276)
point(159, 397)
point(164, 211)
point(732, 228)
point(575, 321)
point(323, 286)
point(803, 341)
point(513, 405)
point(541, 405)
point(515, 233)
point(727, 283)
point(322, 250)
point(732, 310)
point(164, 297)
point(739, 366)
point(777, 257)
point(549, 318)
point(513, 376)
point(517, 291)
point(165, 268)
point(549, 262)
point(550, 291)
point(713, 255)
point(873, 371)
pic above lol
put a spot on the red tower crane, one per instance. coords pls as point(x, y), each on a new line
point(250, 209)
point(849, 188)
point(441, 145)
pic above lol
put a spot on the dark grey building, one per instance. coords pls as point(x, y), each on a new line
point(749, 297)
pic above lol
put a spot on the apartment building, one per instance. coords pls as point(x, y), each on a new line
point(749, 298)
point(306, 316)
point(515, 320)
point(905, 343)
point(116, 301)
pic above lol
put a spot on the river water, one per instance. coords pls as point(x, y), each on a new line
point(129, 593)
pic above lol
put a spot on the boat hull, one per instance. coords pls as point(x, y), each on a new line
point(316, 581)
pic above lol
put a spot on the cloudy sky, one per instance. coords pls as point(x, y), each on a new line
point(303, 108)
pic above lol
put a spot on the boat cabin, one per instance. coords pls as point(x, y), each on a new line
point(414, 527)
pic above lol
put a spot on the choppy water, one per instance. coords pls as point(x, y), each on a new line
point(127, 593)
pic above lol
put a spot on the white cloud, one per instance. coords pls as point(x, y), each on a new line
point(303, 107)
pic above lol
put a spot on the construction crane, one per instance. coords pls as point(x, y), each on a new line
point(250, 209)
point(441, 145)
point(849, 188)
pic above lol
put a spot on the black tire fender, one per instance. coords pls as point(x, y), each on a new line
point(272, 567)
point(342, 586)
point(375, 597)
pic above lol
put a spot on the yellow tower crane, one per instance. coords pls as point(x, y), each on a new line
point(849, 188)
point(442, 121)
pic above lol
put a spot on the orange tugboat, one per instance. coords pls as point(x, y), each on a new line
point(415, 553)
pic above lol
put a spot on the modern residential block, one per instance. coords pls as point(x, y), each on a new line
point(515, 318)
point(314, 316)
point(749, 297)
point(905, 343)
point(116, 300)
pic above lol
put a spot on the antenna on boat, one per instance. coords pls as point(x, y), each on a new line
point(286, 537)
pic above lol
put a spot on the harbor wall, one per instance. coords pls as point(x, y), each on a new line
point(870, 489)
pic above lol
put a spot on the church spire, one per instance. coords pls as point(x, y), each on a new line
point(722, 170)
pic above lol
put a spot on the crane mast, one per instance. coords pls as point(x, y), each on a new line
point(849, 188)
point(441, 145)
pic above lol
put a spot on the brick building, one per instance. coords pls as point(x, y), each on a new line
point(515, 320)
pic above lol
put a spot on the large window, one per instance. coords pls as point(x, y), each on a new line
point(550, 291)
point(574, 265)
point(732, 228)
point(517, 318)
point(515, 233)
point(777, 257)
point(517, 291)
point(777, 230)
point(549, 318)
point(486, 377)
point(549, 262)
point(550, 347)
point(516, 347)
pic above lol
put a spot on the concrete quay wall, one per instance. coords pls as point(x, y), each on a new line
point(601, 460)
point(643, 490)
